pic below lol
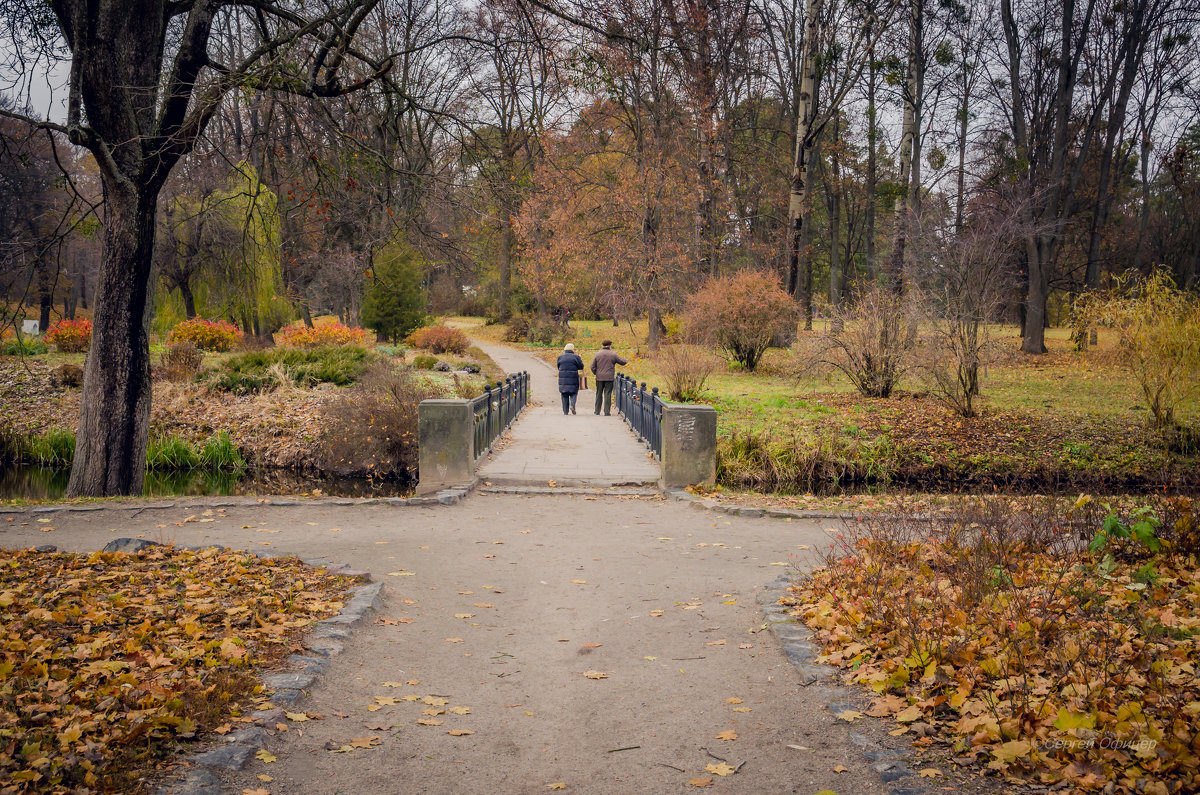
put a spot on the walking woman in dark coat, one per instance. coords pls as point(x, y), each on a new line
point(569, 368)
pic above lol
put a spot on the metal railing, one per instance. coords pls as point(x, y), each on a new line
point(497, 407)
point(642, 409)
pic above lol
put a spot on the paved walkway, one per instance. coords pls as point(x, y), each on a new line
point(571, 450)
point(502, 604)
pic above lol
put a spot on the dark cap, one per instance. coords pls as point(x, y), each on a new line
point(607, 343)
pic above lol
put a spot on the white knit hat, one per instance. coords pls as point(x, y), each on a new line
point(570, 346)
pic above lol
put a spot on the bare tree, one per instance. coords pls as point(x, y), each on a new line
point(146, 78)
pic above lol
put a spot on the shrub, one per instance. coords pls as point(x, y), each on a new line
point(372, 430)
point(740, 314)
point(439, 339)
point(870, 343)
point(206, 335)
point(55, 448)
point(21, 346)
point(265, 370)
point(1159, 326)
point(219, 452)
point(67, 375)
point(70, 336)
point(171, 452)
point(425, 362)
point(181, 361)
point(518, 329)
point(298, 335)
point(396, 351)
point(685, 368)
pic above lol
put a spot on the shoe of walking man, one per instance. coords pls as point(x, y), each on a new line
point(604, 366)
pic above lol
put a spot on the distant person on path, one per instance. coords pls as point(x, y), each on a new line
point(569, 368)
point(605, 368)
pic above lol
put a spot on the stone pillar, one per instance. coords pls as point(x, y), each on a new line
point(446, 435)
point(689, 446)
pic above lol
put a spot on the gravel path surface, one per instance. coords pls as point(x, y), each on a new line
point(513, 600)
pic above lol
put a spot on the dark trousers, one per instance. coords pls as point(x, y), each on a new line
point(604, 390)
point(568, 399)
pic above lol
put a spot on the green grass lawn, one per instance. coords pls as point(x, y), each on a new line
point(1062, 419)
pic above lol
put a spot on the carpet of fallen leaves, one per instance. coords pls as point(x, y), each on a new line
point(1040, 663)
point(108, 661)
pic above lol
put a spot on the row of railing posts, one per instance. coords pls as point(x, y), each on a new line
point(496, 408)
point(642, 409)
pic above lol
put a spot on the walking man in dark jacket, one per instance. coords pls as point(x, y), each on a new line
point(605, 368)
point(569, 368)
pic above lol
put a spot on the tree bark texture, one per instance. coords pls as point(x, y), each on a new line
point(114, 419)
point(801, 187)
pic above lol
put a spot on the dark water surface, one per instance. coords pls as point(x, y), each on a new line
point(30, 482)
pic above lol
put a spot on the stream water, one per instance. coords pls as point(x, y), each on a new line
point(29, 482)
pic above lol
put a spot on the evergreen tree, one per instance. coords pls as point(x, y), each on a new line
point(394, 303)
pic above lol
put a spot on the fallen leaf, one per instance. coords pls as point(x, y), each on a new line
point(728, 734)
point(579, 582)
point(459, 732)
point(840, 768)
point(557, 785)
point(365, 742)
point(298, 717)
point(929, 772)
point(700, 781)
point(595, 675)
point(733, 700)
point(429, 721)
point(264, 755)
point(849, 715)
point(720, 769)
point(454, 640)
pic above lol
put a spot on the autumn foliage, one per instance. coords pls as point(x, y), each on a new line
point(70, 336)
point(110, 660)
point(741, 314)
point(207, 335)
point(299, 335)
point(439, 339)
point(1027, 649)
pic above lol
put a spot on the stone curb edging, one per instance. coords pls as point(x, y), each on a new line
point(321, 644)
point(704, 503)
point(607, 491)
point(449, 496)
point(796, 642)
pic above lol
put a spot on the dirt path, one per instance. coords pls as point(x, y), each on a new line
point(512, 599)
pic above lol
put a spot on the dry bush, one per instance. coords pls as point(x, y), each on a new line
point(741, 314)
point(685, 369)
point(1159, 326)
point(372, 429)
point(869, 342)
point(439, 339)
point(181, 361)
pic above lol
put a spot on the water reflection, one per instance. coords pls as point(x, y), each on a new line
point(31, 482)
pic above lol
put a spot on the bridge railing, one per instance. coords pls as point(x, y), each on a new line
point(642, 409)
point(496, 408)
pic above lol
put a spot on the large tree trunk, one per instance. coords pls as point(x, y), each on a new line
point(872, 168)
point(910, 150)
point(799, 208)
point(114, 418)
point(1034, 331)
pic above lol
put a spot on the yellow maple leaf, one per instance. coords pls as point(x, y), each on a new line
point(728, 734)
point(265, 756)
point(557, 785)
point(298, 717)
point(595, 675)
point(459, 732)
point(930, 772)
point(720, 769)
point(700, 781)
point(849, 715)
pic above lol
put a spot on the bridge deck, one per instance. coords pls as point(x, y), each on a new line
point(571, 450)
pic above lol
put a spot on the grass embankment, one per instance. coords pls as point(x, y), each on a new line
point(114, 662)
point(1057, 422)
point(276, 409)
point(1052, 648)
